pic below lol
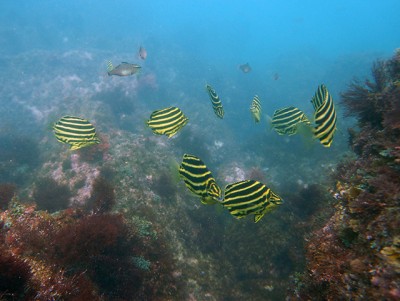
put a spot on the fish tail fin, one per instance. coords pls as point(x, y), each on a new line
point(139, 73)
point(173, 167)
point(208, 201)
point(307, 132)
point(219, 209)
point(51, 126)
point(109, 66)
point(146, 122)
point(269, 121)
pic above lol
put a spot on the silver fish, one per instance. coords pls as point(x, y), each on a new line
point(123, 69)
point(142, 53)
point(245, 68)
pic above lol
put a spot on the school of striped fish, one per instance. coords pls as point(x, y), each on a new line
point(199, 179)
point(75, 131)
point(240, 198)
point(167, 121)
point(215, 101)
point(255, 109)
point(286, 120)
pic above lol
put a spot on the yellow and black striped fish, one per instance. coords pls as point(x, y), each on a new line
point(324, 116)
point(199, 179)
point(167, 121)
point(76, 132)
point(216, 102)
point(285, 121)
point(250, 197)
point(255, 108)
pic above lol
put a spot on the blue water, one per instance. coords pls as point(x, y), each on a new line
point(53, 54)
point(304, 42)
point(211, 30)
point(301, 41)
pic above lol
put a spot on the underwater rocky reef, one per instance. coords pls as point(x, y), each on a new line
point(74, 255)
point(356, 254)
point(113, 222)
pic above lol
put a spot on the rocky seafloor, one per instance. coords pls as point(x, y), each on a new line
point(356, 254)
point(113, 222)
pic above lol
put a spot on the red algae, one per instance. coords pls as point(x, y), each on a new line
point(72, 255)
point(356, 255)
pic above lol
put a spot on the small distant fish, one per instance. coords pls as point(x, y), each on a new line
point(76, 132)
point(216, 102)
point(167, 121)
point(245, 68)
point(250, 197)
point(255, 109)
point(199, 179)
point(123, 69)
point(276, 76)
point(142, 53)
point(285, 121)
point(324, 116)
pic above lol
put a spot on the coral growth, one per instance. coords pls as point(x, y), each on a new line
point(257, 174)
point(7, 191)
point(309, 200)
point(79, 176)
point(356, 255)
point(119, 102)
point(19, 149)
point(164, 185)
point(102, 196)
point(97, 152)
point(50, 195)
